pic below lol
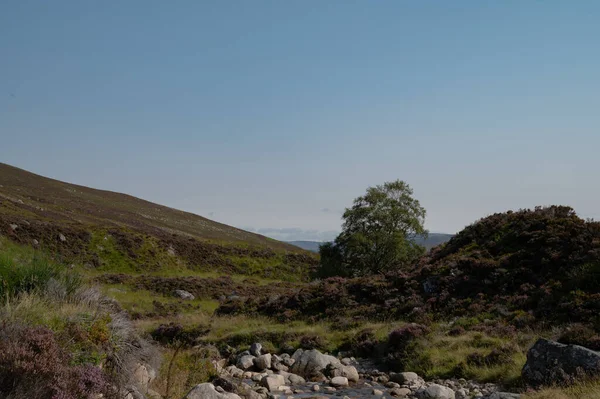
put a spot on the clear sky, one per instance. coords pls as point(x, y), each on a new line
point(274, 115)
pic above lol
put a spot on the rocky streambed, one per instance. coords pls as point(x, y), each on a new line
point(253, 374)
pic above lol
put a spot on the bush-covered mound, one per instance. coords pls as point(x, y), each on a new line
point(528, 268)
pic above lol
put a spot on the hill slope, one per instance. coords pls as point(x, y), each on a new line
point(115, 232)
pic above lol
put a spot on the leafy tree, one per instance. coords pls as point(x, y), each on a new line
point(377, 234)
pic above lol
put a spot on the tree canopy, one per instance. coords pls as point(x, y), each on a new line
point(377, 233)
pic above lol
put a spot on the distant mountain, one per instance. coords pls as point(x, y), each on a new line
point(308, 245)
point(433, 240)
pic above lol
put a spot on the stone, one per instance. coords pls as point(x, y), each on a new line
point(309, 362)
point(287, 360)
point(255, 349)
point(504, 395)
point(377, 392)
point(316, 388)
point(262, 362)
point(462, 393)
point(143, 375)
point(14, 227)
point(435, 391)
point(400, 392)
point(272, 382)
point(35, 242)
point(552, 363)
point(245, 362)
point(346, 361)
point(330, 389)
point(406, 378)
point(392, 384)
point(182, 294)
point(295, 379)
point(339, 370)
point(225, 384)
point(208, 391)
point(61, 237)
point(339, 382)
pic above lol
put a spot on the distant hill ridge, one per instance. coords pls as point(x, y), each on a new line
point(114, 231)
point(433, 240)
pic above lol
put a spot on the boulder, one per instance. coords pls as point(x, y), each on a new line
point(435, 391)
point(143, 375)
point(295, 379)
point(273, 382)
point(339, 382)
point(208, 391)
point(339, 370)
point(263, 362)
point(550, 363)
point(182, 294)
point(255, 349)
point(406, 378)
point(227, 385)
point(400, 392)
point(377, 392)
point(245, 362)
point(309, 362)
point(504, 395)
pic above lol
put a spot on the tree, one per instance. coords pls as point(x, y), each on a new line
point(378, 232)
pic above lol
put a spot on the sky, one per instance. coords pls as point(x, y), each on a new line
point(274, 115)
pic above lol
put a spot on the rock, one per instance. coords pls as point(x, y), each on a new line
point(255, 349)
point(400, 392)
point(392, 384)
point(245, 362)
point(504, 395)
point(551, 363)
point(224, 383)
point(263, 362)
point(143, 375)
point(377, 392)
point(309, 362)
point(406, 378)
point(316, 388)
point(339, 370)
point(208, 391)
point(346, 361)
point(182, 294)
point(61, 237)
point(435, 391)
point(272, 382)
point(462, 394)
point(35, 242)
point(339, 382)
point(330, 389)
point(14, 227)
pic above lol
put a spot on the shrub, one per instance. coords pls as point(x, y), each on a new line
point(34, 365)
point(579, 334)
point(313, 341)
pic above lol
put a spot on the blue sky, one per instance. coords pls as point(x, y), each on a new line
point(274, 115)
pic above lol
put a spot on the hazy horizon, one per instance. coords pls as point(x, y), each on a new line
point(274, 116)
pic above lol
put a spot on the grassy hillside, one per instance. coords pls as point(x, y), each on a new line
point(112, 232)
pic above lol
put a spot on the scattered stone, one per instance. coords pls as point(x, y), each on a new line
point(61, 237)
point(339, 382)
point(551, 363)
point(436, 391)
point(272, 382)
point(377, 392)
point(245, 362)
point(35, 242)
point(182, 294)
point(255, 349)
point(406, 378)
point(308, 362)
point(316, 388)
point(208, 391)
point(339, 370)
point(295, 379)
point(225, 384)
point(504, 395)
point(143, 375)
point(391, 384)
point(462, 393)
point(262, 362)
point(330, 389)
point(14, 227)
point(400, 392)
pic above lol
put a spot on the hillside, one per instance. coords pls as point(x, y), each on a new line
point(109, 231)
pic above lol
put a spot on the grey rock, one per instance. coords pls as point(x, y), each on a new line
point(35, 242)
point(377, 392)
point(262, 362)
point(61, 237)
point(504, 395)
point(339, 370)
point(406, 378)
point(245, 362)
point(255, 349)
point(309, 362)
point(273, 382)
point(295, 379)
point(182, 294)
point(339, 382)
point(208, 391)
point(435, 391)
point(400, 392)
point(14, 227)
point(550, 363)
